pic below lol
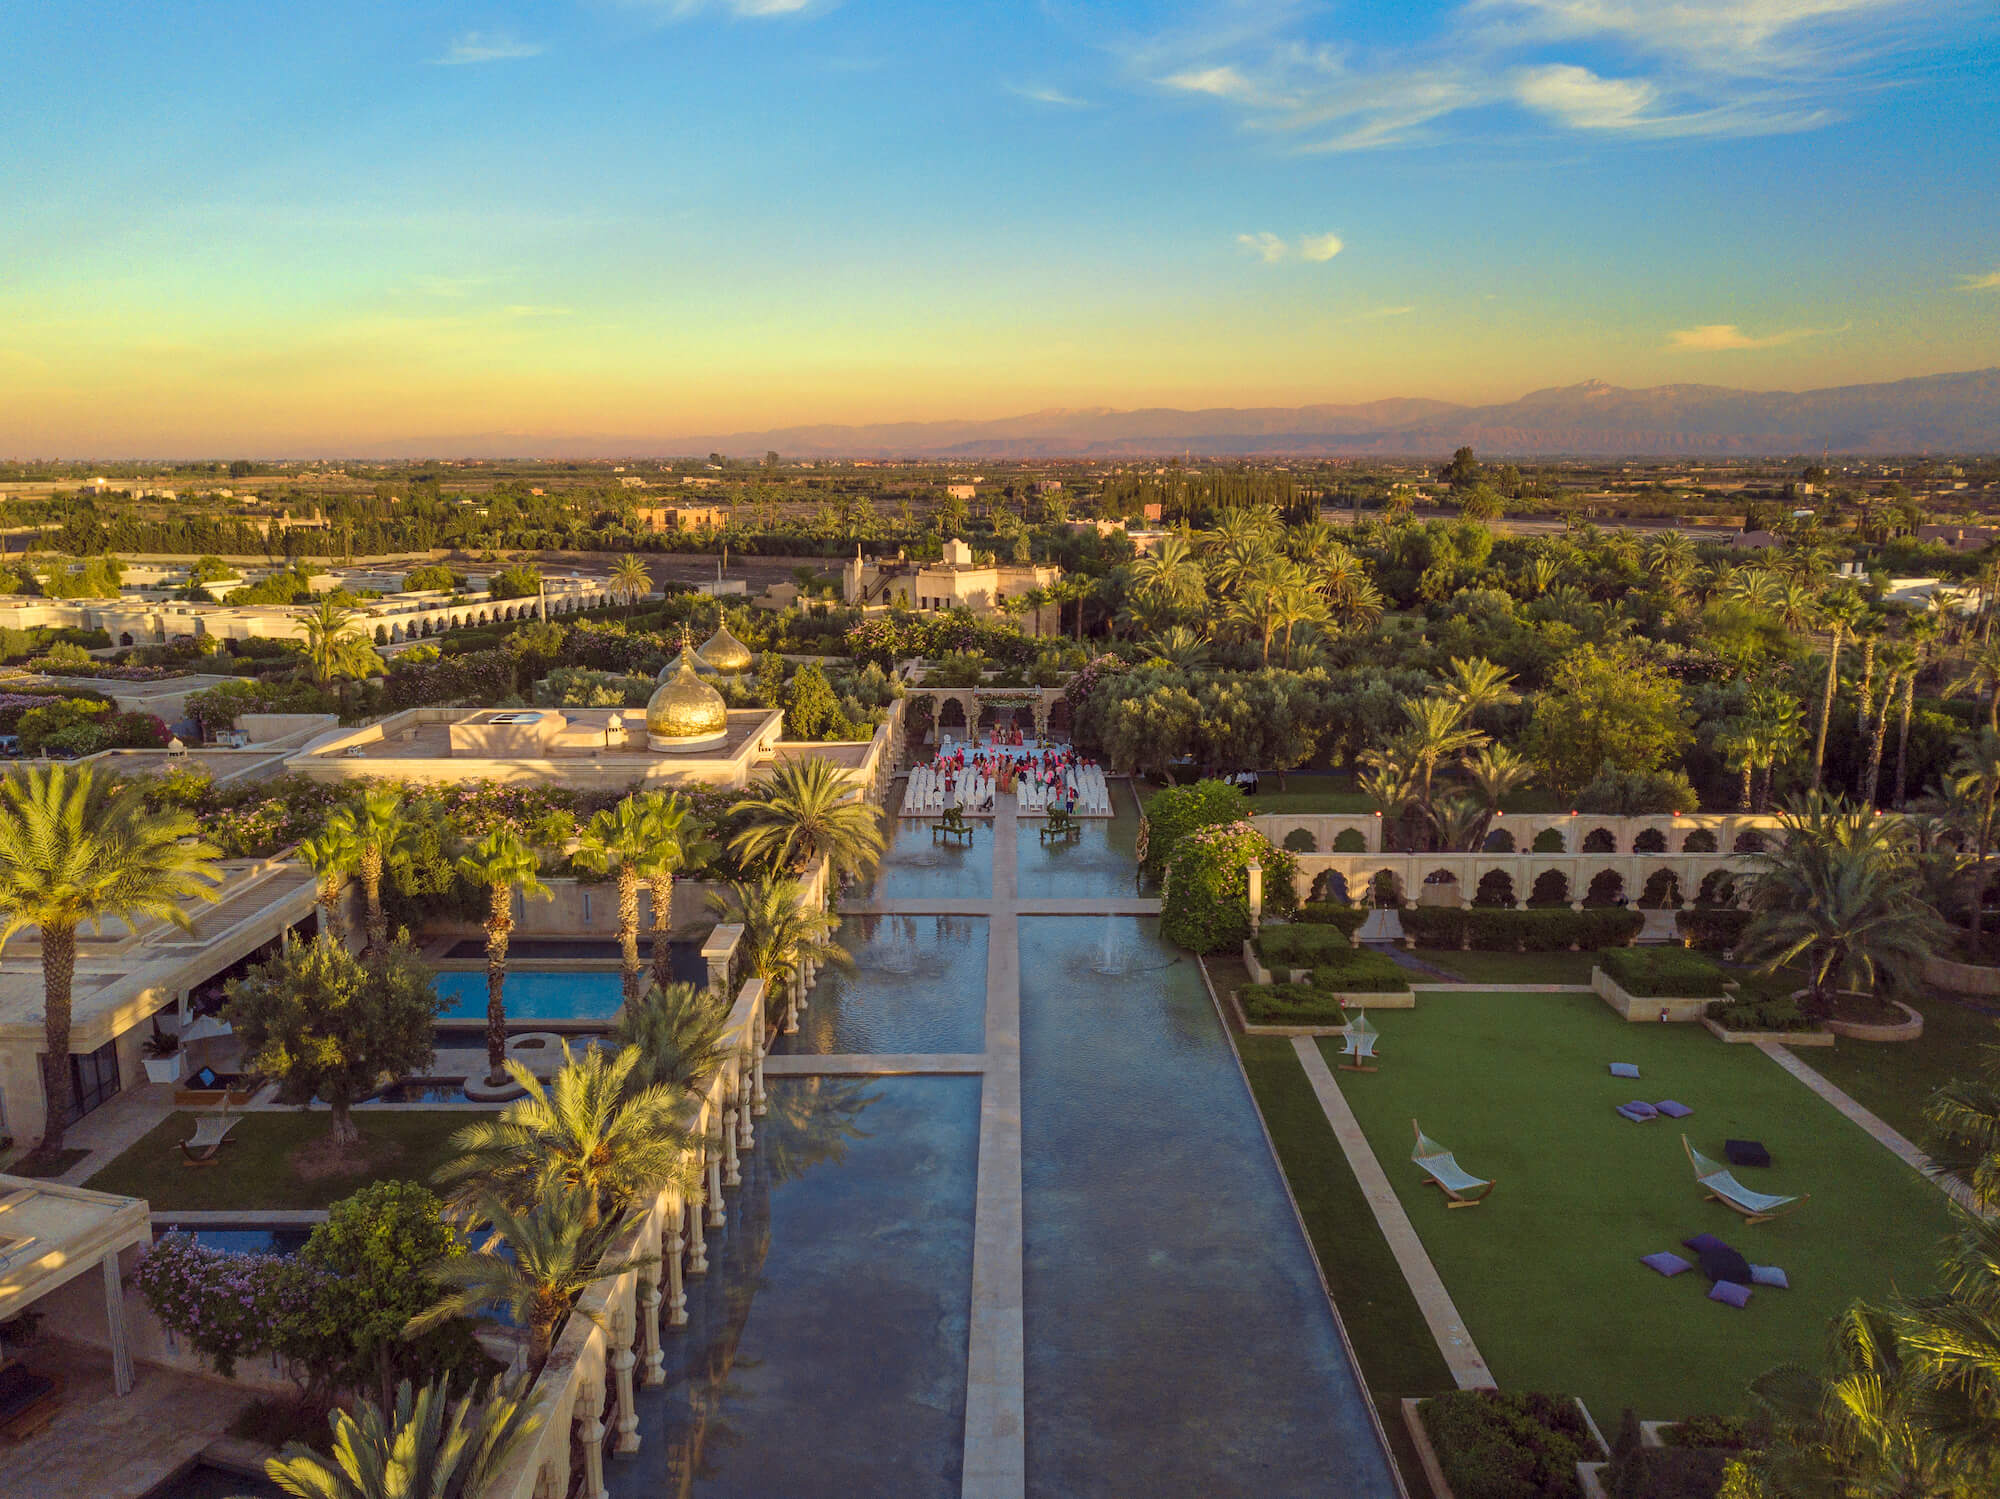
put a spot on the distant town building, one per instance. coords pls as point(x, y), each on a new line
point(660, 518)
point(633, 481)
point(954, 582)
point(962, 491)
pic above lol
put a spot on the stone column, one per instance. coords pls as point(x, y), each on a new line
point(677, 1302)
point(716, 1216)
point(652, 1356)
point(732, 1164)
point(697, 1242)
point(590, 1436)
point(622, 1360)
point(760, 1102)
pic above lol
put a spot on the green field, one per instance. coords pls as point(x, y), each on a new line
point(1895, 1079)
point(257, 1169)
point(1546, 1271)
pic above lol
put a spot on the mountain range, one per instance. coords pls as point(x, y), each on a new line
point(1950, 413)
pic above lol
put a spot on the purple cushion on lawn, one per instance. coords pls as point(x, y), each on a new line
point(1720, 1262)
point(1672, 1109)
point(1729, 1293)
point(1703, 1241)
point(1624, 1069)
point(1638, 1112)
point(1667, 1263)
point(1769, 1275)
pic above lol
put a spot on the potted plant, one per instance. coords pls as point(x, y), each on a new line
point(163, 1056)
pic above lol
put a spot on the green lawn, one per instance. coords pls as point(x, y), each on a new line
point(256, 1167)
point(1895, 1079)
point(1546, 1271)
point(1512, 967)
point(1397, 1353)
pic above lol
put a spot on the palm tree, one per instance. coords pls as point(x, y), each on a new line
point(429, 1447)
point(376, 834)
point(1899, 661)
point(329, 854)
point(1168, 579)
point(1670, 558)
point(556, 1249)
point(1476, 684)
point(335, 643)
point(630, 580)
point(502, 863)
point(1981, 674)
point(803, 810)
point(1840, 612)
point(74, 849)
point(619, 840)
point(1177, 646)
point(679, 1034)
point(1544, 573)
point(1740, 749)
point(679, 841)
point(1437, 731)
point(591, 1128)
point(781, 931)
point(1975, 775)
point(1840, 896)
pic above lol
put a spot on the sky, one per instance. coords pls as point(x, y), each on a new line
point(264, 229)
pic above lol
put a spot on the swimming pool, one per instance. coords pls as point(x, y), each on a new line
point(278, 1239)
point(684, 958)
point(532, 995)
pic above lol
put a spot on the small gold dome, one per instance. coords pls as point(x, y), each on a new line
point(724, 651)
point(685, 713)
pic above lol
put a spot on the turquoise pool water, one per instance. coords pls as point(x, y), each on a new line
point(1178, 1337)
point(825, 1351)
point(918, 985)
point(532, 995)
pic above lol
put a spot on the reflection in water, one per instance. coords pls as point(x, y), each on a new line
point(917, 984)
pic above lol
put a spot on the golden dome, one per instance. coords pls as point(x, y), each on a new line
point(685, 713)
point(724, 651)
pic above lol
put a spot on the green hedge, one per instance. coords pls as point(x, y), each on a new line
point(1490, 929)
point(1657, 972)
point(1329, 913)
point(1760, 1013)
point(1288, 1004)
point(1667, 1473)
point(1359, 972)
point(1508, 1446)
point(1301, 945)
point(1712, 928)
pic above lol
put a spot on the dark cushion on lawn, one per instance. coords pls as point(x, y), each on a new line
point(1638, 1112)
point(1624, 1069)
point(1746, 1152)
point(1720, 1262)
point(1703, 1241)
point(1730, 1293)
point(1666, 1262)
point(1672, 1109)
point(1770, 1275)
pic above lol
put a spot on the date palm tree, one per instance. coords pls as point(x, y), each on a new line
point(335, 643)
point(781, 930)
point(1899, 661)
point(1975, 776)
point(803, 810)
point(1168, 579)
point(618, 840)
point(678, 1032)
point(330, 855)
point(1980, 675)
point(428, 1446)
point(589, 1129)
point(502, 863)
point(375, 834)
point(1437, 730)
point(630, 580)
point(1474, 685)
point(557, 1248)
point(74, 850)
point(1840, 612)
point(1177, 646)
point(678, 841)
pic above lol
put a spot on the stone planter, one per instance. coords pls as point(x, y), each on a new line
point(165, 1069)
point(1962, 978)
point(1777, 1038)
point(1912, 1026)
point(1637, 1007)
point(1413, 1422)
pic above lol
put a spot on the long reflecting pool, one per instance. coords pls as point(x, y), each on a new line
point(1098, 862)
point(1178, 1338)
point(530, 994)
point(918, 863)
point(825, 1350)
point(918, 985)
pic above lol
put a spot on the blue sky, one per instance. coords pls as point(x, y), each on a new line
point(228, 223)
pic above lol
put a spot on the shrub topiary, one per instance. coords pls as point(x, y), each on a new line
point(1288, 1004)
point(1508, 1446)
point(1329, 913)
point(1656, 972)
point(1206, 904)
point(1179, 810)
point(1751, 1013)
point(1357, 971)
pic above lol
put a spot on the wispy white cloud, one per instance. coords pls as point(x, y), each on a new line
point(488, 46)
point(1038, 95)
point(1713, 338)
point(1640, 68)
point(679, 10)
point(1990, 281)
point(1270, 248)
point(1400, 310)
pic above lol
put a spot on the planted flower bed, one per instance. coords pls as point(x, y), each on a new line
point(1483, 1444)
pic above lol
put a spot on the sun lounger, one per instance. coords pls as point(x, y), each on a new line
point(211, 1132)
point(1358, 1042)
point(1723, 1187)
point(1459, 1185)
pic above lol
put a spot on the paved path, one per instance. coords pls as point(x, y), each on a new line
point(996, 1457)
point(1454, 1342)
point(1877, 1126)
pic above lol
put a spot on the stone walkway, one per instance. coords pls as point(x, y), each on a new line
point(1904, 1149)
point(1440, 1314)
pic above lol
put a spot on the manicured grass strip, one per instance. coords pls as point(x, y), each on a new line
point(256, 1168)
point(1546, 1270)
point(1398, 1355)
point(1896, 1079)
point(1511, 967)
